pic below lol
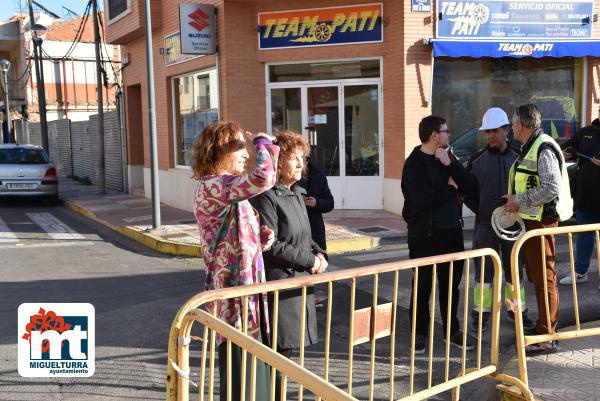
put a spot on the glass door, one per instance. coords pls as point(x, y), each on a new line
point(342, 123)
point(362, 147)
point(323, 128)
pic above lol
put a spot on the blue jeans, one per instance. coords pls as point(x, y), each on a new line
point(585, 241)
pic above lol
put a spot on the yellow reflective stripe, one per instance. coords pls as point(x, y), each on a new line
point(508, 294)
point(529, 164)
point(487, 297)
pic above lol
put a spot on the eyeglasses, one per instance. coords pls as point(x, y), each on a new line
point(444, 130)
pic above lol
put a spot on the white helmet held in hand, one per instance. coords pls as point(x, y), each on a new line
point(507, 225)
point(494, 118)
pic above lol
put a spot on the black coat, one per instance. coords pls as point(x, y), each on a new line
point(429, 202)
point(316, 186)
point(292, 254)
point(587, 178)
point(491, 168)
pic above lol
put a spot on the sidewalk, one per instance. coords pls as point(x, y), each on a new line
point(571, 373)
point(347, 230)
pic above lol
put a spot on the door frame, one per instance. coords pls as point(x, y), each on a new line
point(342, 179)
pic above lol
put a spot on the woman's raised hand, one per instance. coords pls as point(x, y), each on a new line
point(252, 137)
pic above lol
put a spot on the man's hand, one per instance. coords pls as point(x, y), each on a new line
point(511, 203)
point(310, 201)
point(442, 155)
point(567, 153)
point(595, 161)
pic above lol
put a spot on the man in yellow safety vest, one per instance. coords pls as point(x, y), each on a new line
point(538, 189)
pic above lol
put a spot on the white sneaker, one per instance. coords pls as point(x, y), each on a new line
point(568, 280)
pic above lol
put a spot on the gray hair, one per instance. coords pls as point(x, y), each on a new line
point(530, 115)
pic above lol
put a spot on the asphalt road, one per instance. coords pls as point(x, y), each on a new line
point(50, 254)
point(135, 292)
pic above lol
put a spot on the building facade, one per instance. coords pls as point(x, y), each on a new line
point(69, 65)
point(12, 50)
point(355, 77)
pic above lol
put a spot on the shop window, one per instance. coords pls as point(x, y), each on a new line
point(203, 92)
point(196, 105)
point(463, 89)
point(324, 71)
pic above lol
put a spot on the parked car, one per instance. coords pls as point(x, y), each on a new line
point(26, 171)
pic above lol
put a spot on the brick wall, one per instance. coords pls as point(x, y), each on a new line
point(242, 71)
point(130, 26)
point(406, 70)
point(135, 73)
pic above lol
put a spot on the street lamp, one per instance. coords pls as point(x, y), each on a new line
point(38, 33)
point(4, 67)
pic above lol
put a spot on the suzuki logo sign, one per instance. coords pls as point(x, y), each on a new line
point(197, 26)
point(200, 19)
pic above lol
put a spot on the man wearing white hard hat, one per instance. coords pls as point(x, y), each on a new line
point(491, 166)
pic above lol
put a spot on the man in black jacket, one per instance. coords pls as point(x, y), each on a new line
point(585, 148)
point(318, 200)
point(432, 184)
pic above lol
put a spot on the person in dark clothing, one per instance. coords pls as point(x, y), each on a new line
point(318, 200)
point(491, 166)
point(585, 148)
point(432, 184)
point(293, 252)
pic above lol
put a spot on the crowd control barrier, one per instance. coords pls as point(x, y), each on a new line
point(367, 364)
point(538, 235)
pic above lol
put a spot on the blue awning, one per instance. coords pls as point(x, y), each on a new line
point(513, 48)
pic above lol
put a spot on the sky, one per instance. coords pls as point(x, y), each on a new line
point(9, 7)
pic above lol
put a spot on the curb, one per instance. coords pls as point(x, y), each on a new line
point(151, 241)
point(157, 244)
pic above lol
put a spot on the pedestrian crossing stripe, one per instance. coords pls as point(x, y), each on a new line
point(55, 233)
point(55, 228)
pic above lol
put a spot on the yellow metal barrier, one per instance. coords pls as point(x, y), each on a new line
point(524, 340)
point(365, 325)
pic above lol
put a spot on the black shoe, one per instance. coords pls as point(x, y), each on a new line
point(420, 344)
point(456, 340)
point(485, 318)
point(539, 348)
point(531, 332)
point(528, 324)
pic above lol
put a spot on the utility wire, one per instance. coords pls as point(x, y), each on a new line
point(79, 33)
point(25, 72)
point(110, 60)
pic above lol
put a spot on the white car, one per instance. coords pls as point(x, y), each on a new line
point(26, 171)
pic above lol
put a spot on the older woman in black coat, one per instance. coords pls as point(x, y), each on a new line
point(293, 252)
